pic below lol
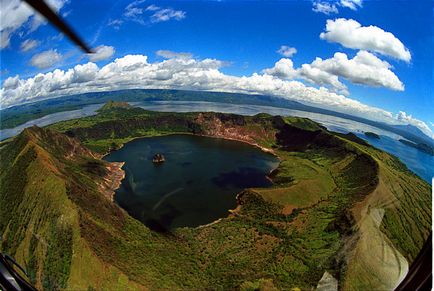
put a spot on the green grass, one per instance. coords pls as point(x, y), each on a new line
point(300, 182)
point(58, 225)
point(303, 123)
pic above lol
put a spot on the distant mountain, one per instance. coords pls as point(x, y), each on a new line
point(113, 104)
point(16, 115)
point(58, 218)
point(410, 129)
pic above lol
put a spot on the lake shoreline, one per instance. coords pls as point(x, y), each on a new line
point(113, 180)
point(418, 161)
point(118, 173)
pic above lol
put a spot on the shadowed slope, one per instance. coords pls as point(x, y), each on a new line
point(60, 225)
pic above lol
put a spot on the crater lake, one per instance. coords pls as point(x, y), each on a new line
point(196, 185)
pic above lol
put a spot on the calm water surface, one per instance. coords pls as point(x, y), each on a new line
point(196, 185)
point(50, 119)
point(417, 161)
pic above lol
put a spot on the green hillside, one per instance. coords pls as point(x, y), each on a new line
point(336, 205)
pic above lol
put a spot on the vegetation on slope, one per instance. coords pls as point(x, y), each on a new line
point(14, 116)
point(372, 134)
point(39, 222)
point(312, 220)
point(113, 105)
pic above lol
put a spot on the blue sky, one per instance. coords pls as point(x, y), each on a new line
point(241, 39)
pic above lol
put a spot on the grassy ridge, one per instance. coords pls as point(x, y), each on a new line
point(14, 116)
point(284, 237)
point(39, 222)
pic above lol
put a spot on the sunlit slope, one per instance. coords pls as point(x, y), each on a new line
point(392, 222)
point(114, 126)
point(309, 222)
point(41, 211)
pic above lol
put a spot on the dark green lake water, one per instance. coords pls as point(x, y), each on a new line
point(196, 185)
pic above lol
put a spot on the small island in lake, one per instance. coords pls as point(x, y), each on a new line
point(372, 134)
point(158, 159)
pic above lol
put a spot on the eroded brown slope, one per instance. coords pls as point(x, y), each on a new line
point(260, 242)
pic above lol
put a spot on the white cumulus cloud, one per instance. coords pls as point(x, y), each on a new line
point(101, 53)
point(45, 59)
point(320, 77)
point(364, 69)
point(287, 51)
point(134, 71)
point(352, 34)
point(284, 69)
point(16, 15)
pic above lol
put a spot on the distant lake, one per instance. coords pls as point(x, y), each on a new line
point(197, 183)
point(419, 162)
point(50, 119)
